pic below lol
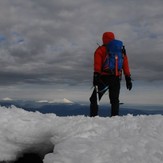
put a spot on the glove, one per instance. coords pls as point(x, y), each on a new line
point(96, 78)
point(128, 82)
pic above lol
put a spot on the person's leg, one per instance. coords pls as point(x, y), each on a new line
point(114, 90)
point(93, 99)
point(93, 104)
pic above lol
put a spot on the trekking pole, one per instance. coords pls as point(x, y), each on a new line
point(97, 95)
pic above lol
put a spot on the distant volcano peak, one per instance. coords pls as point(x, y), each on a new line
point(7, 99)
point(65, 100)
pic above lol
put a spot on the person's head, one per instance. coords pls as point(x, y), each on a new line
point(107, 37)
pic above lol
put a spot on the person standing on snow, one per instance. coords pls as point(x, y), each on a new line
point(109, 79)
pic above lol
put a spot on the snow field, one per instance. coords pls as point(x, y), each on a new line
point(80, 139)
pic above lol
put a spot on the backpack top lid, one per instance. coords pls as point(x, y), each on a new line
point(115, 46)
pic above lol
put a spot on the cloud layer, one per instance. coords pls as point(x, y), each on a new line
point(52, 41)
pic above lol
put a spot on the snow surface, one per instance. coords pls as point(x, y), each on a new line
point(80, 139)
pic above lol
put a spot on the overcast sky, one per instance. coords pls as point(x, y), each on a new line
point(50, 43)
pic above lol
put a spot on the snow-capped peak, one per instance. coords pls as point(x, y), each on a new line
point(64, 100)
point(67, 101)
point(7, 99)
point(43, 101)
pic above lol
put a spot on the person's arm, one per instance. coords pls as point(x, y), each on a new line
point(98, 60)
point(127, 73)
point(97, 66)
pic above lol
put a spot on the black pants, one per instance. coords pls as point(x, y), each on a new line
point(114, 89)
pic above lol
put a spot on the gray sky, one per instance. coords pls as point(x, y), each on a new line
point(49, 45)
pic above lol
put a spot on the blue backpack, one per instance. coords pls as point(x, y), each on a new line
point(114, 59)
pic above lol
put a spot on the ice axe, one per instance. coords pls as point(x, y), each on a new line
point(97, 95)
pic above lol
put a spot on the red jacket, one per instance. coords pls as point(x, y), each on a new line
point(100, 55)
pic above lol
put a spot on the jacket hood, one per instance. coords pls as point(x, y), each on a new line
point(107, 37)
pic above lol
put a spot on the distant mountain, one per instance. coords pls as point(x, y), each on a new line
point(64, 100)
point(63, 108)
point(42, 101)
point(68, 108)
point(7, 99)
point(67, 101)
